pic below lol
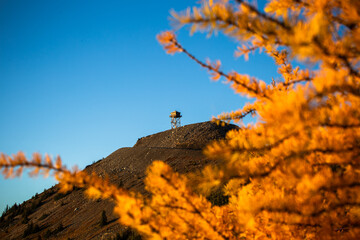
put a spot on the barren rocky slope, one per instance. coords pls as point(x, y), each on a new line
point(72, 216)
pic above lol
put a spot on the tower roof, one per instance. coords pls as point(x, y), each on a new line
point(175, 114)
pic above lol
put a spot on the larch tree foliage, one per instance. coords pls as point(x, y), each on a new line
point(295, 173)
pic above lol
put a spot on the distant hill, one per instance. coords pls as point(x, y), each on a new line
point(51, 215)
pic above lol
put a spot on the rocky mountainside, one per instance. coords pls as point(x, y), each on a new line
point(51, 215)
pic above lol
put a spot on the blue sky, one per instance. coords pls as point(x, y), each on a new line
point(81, 79)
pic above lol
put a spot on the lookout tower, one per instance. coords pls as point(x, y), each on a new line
point(175, 119)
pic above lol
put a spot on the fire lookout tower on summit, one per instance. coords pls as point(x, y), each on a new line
point(175, 119)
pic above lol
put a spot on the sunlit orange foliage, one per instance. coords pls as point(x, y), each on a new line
point(295, 173)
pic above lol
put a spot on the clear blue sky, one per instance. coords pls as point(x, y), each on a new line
point(84, 78)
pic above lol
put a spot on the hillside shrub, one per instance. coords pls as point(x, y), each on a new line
point(25, 219)
point(59, 196)
point(129, 234)
point(30, 229)
point(25, 213)
point(48, 233)
point(58, 229)
point(5, 210)
point(45, 215)
point(218, 198)
point(35, 204)
point(103, 220)
point(295, 172)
